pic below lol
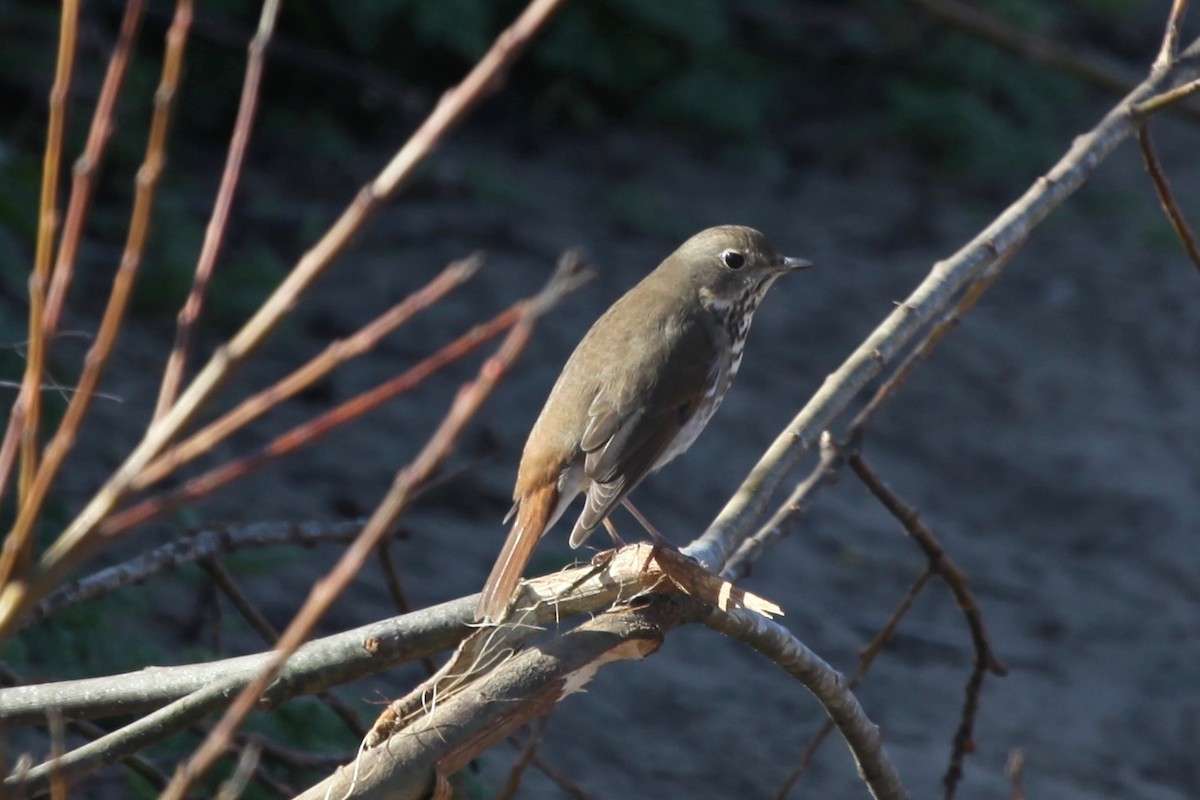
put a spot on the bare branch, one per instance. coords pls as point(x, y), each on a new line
point(191, 549)
point(947, 279)
point(461, 411)
point(39, 282)
point(247, 107)
point(73, 544)
point(1170, 42)
point(336, 354)
point(147, 182)
point(1166, 197)
point(826, 684)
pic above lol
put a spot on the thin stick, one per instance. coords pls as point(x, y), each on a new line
point(110, 325)
point(512, 783)
point(73, 543)
point(312, 430)
point(10, 447)
point(134, 763)
point(30, 398)
point(266, 631)
point(1166, 197)
point(247, 107)
point(315, 369)
point(462, 410)
point(191, 549)
point(937, 558)
point(1170, 42)
point(1140, 111)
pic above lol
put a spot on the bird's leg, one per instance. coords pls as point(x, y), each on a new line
point(660, 542)
point(612, 531)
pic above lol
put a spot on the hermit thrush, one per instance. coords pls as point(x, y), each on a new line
point(637, 391)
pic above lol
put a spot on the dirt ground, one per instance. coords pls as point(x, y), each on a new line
point(1051, 443)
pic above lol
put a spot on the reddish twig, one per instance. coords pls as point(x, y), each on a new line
point(74, 542)
point(568, 786)
point(468, 401)
point(10, 446)
point(939, 562)
point(1166, 197)
point(30, 398)
point(309, 432)
point(315, 369)
point(247, 107)
point(110, 324)
point(192, 549)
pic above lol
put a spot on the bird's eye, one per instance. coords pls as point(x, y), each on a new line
point(733, 259)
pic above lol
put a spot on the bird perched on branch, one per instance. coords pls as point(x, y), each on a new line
point(637, 391)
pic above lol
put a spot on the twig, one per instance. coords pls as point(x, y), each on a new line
point(247, 766)
point(1015, 770)
point(10, 447)
point(512, 783)
point(1170, 42)
point(120, 744)
point(462, 410)
point(191, 549)
point(228, 585)
point(866, 658)
point(315, 369)
point(135, 763)
point(39, 283)
point(247, 107)
point(318, 665)
point(939, 562)
point(266, 631)
point(73, 543)
point(110, 325)
point(564, 783)
point(1166, 197)
point(789, 653)
point(985, 657)
point(1160, 102)
point(308, 432)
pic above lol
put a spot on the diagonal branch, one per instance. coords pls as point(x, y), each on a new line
point(1166, 197)
point(337, 353)
point(947, 279)
point(408, 479)
point(114, 312)
point(247, 107)
point(71, 545)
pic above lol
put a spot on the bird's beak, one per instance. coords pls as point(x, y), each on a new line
point(790, 264)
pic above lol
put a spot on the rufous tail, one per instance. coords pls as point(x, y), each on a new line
point(533, 514)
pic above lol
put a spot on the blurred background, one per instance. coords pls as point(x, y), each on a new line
point(1051, 442)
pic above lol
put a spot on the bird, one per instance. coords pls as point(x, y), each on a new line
point(636, 392)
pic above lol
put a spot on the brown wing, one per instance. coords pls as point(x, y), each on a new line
point(630, 426)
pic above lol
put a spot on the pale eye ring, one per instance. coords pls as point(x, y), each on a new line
point(733, 259)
